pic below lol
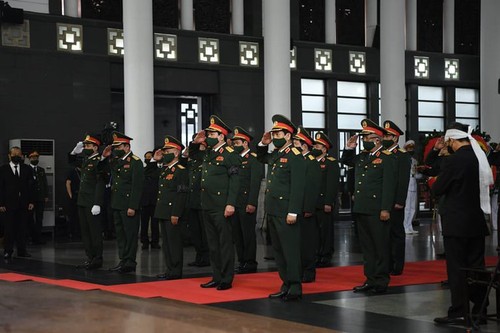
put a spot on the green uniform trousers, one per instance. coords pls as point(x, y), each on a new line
point(285, 239)
point(374, 236)
point(245, 239)
point(91, 229)
point(171, 236)
point(220, 244)
point(309, 240)
point(398, 241)
point(325, 222)
point(127, 229)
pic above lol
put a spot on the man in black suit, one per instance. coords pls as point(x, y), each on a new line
point(16, 201)
point(463, 183)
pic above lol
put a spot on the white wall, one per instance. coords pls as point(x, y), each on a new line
point(38, 6)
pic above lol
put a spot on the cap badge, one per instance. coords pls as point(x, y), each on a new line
point(115, 136)
point(212, 121)
point(364, 124)
point(236, 131)
point(387, 125)
point(318, 136)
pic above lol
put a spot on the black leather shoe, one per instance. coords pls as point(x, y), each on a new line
point(376, 291)
point(291, 297)
point(24, 255)
point(116, 268)
point(224, 286)
point(94, 264)
point(126, 269)
point(279, 294)
point(363, 288)
point(308, 279)
point(165, 276)
point(396, 273)
point(83, 264)
point(450, 320)
point(7, 258)
point(210, 284)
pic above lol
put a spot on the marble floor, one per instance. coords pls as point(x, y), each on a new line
point(34, 307)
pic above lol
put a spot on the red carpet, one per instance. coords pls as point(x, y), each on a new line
point(253, 286)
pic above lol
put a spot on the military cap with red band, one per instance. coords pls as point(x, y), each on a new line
point(282, 123)
point(171, 142)
point(392, 129)
point(323, 139)
point(369, 127)
point(217, 125)
point(304, 136)
point(242, 134)
point(120, 138)
point(93, 138)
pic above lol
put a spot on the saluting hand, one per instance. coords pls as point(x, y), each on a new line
point(266, 138)
point(200, 137)
point(352, 142)
point(107, 151)
point(158, 155)
point(385, 215)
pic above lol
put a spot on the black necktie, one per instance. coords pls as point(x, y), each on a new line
point(15, 171)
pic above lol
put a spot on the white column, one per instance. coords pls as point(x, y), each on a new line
point(449, 26)
point(187, 19)
point(330, 21)
point(370, 21)
point(411, 25)
point(138, 73)
point(276, 28)
point(392, 61)
point(490, 68)
point(237, 17)
point(72, 8)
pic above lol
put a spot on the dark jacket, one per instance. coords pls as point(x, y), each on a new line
point(16, 192)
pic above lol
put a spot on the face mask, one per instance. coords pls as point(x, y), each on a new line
point(211, 142)
point(118, 153)
point(88, 152)
point(316, 152)
point(34, 162)
point(16, 159)
point(238, 149)
point(387, 143)
point(278, 143)
point(167, 158)
point(368, 145)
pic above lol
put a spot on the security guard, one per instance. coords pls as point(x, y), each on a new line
point(172, 196)
point(325, 206)
point(284, 199)
point(127, 174)
point(373, 201)
point(401, 176)
point(41, 197)
point(244, 221)
point(309, 230)
point(219, 191)
point(89, 202)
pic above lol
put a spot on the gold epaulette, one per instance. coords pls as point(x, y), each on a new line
point(386, 152)
point(229, 149)
point(253, 154)
point(310, 157)
point(331, 158)
point(180, 166)
point(295, 151)
point(136, 158)
point(402, 150)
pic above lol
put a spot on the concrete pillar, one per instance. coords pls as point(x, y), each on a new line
point(187, 19)
point(392, 61)
point(449, 26)
point(330, 21)
point(490, 68)
point(72, 8)
point(237, 17)
point(371, 21)
point(411, 25)
point(138, 73)
point(276, 31)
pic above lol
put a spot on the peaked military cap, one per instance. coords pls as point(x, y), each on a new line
point(34, 153)
point(281, 123)
point(303, 135)
point(240, 133)
point(171, 142)
point(369, 127)
point(217, 125)
point(392, 129)
point(120, 138)
point(93, 138)
point(323, 139)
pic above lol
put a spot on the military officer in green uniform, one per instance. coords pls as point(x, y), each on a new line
point(284, 199)
point(172, 195)
point(89, 202)
point(373, 201)
point(41, 197)
point(327, 199)
point(401, 176)
point(219, 191)
point(244, 220)
point(307, 221)
point(127, 173)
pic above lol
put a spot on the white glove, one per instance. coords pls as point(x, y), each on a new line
point(96, 210)
point(78, 148)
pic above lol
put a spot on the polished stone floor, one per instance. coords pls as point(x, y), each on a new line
point(56, 309)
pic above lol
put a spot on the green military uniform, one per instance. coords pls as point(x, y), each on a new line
point(401, 177)
point(41, 193)
point(309, 230)
point(172, 197)
point(219, 188)
point(330, 173)
point(285, 195)
point(127, 175)
point(91, 193)
point(250, 174)
point(373, 192)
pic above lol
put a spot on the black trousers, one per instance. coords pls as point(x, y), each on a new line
point(398, 240)
point(15, 221)
point(198, 235)
point(309, 239)
point(463, 252)
point(245, 239)
point(91, 232)
point(36, 221)
point(147, 214)
point(326, 236)
point(172, 247)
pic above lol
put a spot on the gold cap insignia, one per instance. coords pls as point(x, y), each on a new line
point(318, 136)
point(115, 136)
point(236, 131)
point(87, 137)
point(275, 123)
point(166, 140)
point(364, 124)
point(212, 121)
point(387, 125)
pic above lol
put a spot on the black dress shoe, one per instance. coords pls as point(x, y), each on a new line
point(24, 255)
point(224, 286)
point(94, 264)
point(203, 264)
point(165, 276)
point(83, 264)
point(193, 263)
point(210, 284)
point(450, 320)
point(116, 268)
point(376, 291)
point(126, 269)
point(279, 294)
point(308, 279)
point(291, 297)
point(7, 258)
point(396, 273)
point(363, 288)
